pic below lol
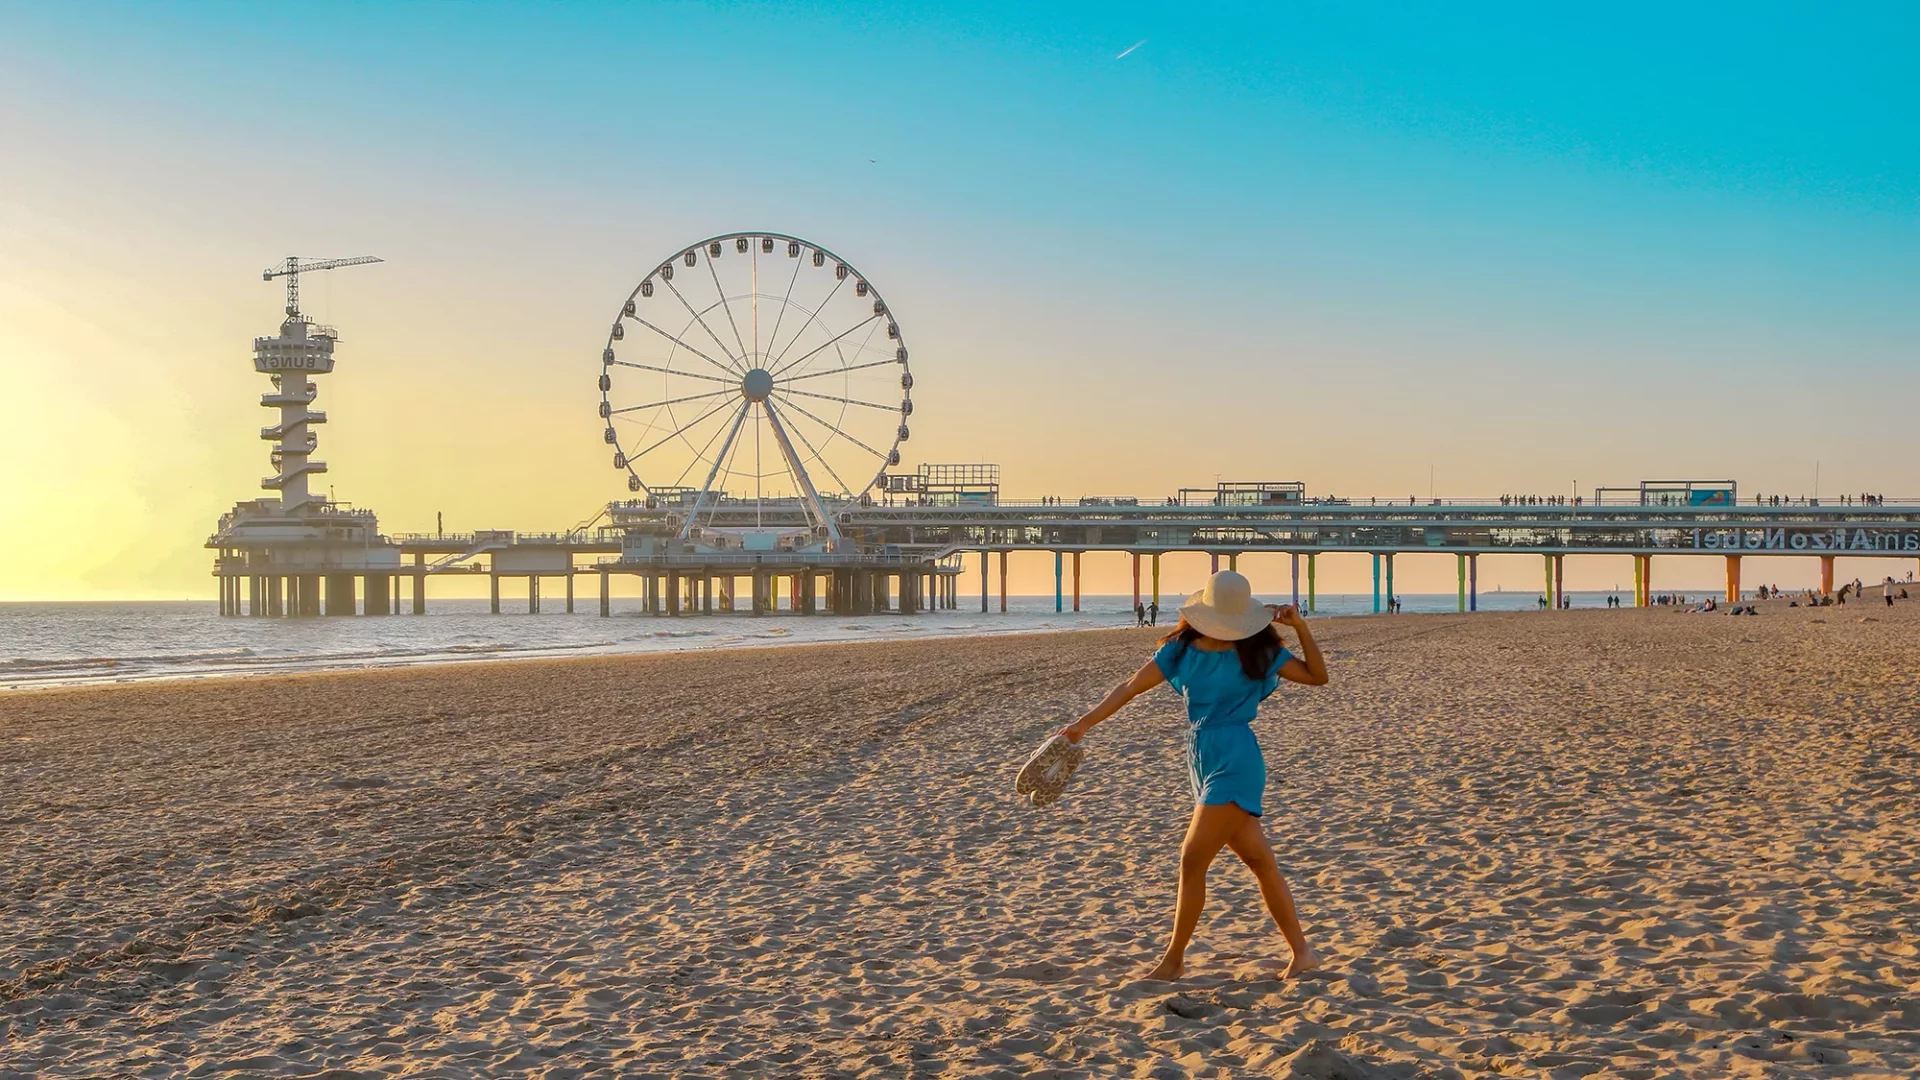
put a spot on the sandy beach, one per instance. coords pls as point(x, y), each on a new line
point(1617, 844)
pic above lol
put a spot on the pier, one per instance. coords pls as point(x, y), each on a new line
point(780, 528)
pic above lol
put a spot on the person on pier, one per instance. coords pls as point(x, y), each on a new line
point(1224, 658)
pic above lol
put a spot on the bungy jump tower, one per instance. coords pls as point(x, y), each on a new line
point(300, 553)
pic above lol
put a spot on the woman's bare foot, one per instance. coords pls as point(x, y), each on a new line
point(1165, 971)
point(1303, 961)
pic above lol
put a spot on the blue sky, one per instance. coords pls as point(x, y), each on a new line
point(1522, 245)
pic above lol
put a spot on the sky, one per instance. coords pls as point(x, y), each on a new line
point(1383, 249)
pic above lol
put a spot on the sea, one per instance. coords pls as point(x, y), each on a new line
point(68, 644)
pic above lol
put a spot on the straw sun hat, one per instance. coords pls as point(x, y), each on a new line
point(1226, 610)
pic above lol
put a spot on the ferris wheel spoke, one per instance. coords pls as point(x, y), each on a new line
point(784, 368)
point(678, 432)
point(731, 371)
point(785, 301)
point(817, 455)
point(675, 371)
point(715, 274)
point(732, 431)
point(736, 368)
point(836, 432)
point(831, 293)
point(841, 352)
point(841, 400)
point(834, 371)
point(673, 401)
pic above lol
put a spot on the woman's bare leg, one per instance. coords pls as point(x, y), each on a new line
point(1207, 833)
point(1250, 843)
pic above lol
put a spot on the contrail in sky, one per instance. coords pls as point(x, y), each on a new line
point(1130, 48)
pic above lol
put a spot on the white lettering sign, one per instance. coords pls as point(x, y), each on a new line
point(1835, 540)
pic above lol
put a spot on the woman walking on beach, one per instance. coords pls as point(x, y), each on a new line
point(1224, 658)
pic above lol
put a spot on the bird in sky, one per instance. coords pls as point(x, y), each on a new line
point(1129, 49)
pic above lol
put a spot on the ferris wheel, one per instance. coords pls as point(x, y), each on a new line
point(758, 369)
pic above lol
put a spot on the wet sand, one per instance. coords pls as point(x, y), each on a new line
point(1618, 844)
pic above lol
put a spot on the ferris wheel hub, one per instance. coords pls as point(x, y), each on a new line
point(757, 384)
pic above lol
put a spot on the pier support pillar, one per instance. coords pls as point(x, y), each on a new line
point(1546, 567)
point(1460, 573)
point(1233, 562)
point(1473, 583)
point(883, 591)
point(1312, 599)
point(1559, 582)
point(1733, 579)
point(1376, 584)
point(376, 595)
point(1649, 581)
point(419, 584)
point(793, 593)
point(1213, 562)
point(1390, 593)
point(1295, 559)
point(274, 604)
point(670, 582)
point(809, 588)
point(493, 584)
point(1826, 575)
point(1136, 578)
point(606, 594)
point(569, 590)
point(1156, 579)
point(726, 592)
point(533, 594)
point(1059, 583)
point(1003, 583)
point(254, 606)
point(393, 592)
point(1639, 581)
point(759, 593)
point(1076, 581)
point(309, 595)
point(983, 583)
point(650, 585)
point(340, 594)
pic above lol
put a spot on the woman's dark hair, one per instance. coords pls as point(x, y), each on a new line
point(1257, 653)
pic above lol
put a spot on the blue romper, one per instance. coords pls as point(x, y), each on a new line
point(1223, 757)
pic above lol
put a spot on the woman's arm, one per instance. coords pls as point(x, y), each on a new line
point(1142, 681)
point(1309, 668)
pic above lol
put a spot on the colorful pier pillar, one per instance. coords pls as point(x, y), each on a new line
point(983, 582)
point(1136, 579)
point(1312, 606)
point(1639, 581)
point(1233, 562)
point(1059, 591)
point(1389, 561)
point(1826, 575)
point(1473, 582)
point(1376, 584)
point(1733, 579)
point(1156, 578)
point(1296, 579)
point(1546, 567)
point(1559, 581)
point(1213, 559)
point(1460, 572)
point(1003, 583)
point(1076, 581)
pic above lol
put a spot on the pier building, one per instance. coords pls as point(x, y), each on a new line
point(755, 393)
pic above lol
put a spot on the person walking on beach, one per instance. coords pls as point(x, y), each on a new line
point(1224, 657)
point(1139, 613)
point(1153, 613)
point(1888, 588)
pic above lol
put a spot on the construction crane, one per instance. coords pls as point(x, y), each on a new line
point(293, 268)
